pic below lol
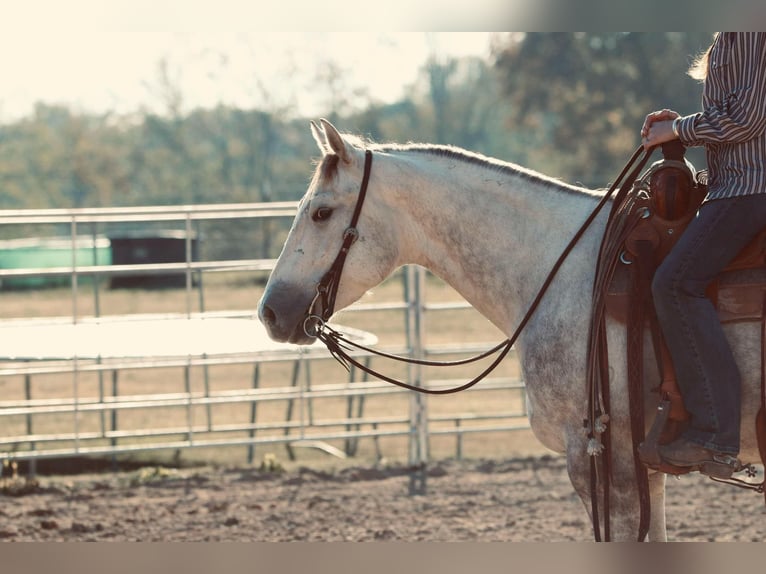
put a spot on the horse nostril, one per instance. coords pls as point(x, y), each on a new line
point(268, 316)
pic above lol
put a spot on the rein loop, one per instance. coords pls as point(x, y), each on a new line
point(338, 345)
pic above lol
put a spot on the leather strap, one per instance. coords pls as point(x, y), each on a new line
point(328, 285)
point(337, 344)
point(642, 271)
point(623, 218)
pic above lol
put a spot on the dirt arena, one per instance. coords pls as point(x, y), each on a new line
point(514, 500)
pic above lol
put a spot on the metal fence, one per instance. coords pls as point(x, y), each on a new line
point(61, 404)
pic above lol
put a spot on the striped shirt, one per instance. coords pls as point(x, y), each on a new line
point(732, 123)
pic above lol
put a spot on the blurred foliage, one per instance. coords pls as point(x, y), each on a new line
point(579, 99)
point(567, 104)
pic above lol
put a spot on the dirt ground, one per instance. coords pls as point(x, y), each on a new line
point(526, 499)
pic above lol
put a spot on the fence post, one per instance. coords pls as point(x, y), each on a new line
point(32, 446)
point(75, 320)
point(418, 443)
point(115, 394)
point(253, 412)
point(188, 257)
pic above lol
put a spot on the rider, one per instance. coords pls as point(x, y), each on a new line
point(732, 128)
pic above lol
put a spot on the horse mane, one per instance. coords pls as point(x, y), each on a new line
point(329, 164)
point(479, 160)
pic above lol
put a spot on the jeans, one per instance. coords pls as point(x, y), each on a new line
point(707, 374)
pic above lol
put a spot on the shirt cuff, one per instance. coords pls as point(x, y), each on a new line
point(686, 129)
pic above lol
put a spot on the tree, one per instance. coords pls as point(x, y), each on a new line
point(581, 98)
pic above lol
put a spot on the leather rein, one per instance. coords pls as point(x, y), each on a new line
point(315, 325)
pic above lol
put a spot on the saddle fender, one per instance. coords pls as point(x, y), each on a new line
point(665, 200)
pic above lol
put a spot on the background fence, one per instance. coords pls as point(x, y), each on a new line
point(158, 349)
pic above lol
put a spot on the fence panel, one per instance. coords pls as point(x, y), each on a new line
point(130, 370)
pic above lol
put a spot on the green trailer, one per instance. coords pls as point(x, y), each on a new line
point(38, 253)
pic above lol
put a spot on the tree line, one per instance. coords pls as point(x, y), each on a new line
point(567, 104)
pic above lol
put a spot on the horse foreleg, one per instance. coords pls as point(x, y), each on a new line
point(625, 513)
point(578, 468)
point(620, 522)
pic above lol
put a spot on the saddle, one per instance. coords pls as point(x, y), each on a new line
point(662, 203)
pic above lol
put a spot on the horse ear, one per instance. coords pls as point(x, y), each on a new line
point(335, 141)
point(320, 138)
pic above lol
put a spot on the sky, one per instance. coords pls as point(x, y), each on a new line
point(99, 55)
point(103, 55)
point(99, 69)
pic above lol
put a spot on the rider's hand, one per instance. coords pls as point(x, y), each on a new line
point(658, 128)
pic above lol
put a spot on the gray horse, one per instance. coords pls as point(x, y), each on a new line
point(491, 230)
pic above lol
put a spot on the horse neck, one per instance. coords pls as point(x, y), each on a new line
point(492, 232)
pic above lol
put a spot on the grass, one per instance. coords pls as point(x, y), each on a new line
point(241, 292)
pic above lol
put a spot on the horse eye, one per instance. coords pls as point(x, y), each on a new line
point(322, 214)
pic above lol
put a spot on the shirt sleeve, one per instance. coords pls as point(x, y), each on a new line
point(739, 114)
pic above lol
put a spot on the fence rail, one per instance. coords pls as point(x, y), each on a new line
point(82, 405)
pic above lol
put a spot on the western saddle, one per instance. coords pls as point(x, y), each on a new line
point(663, 202)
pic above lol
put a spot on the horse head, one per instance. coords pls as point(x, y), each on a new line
point(316, 238)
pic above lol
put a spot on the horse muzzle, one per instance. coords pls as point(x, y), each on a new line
point(283, 311)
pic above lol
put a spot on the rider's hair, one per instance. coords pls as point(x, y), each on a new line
point(699, 67)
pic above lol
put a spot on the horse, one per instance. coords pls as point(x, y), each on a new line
point(492, 230)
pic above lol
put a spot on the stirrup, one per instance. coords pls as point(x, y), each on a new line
point(647, 450)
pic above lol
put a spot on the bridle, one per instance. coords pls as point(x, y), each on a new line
point(327, 288)
point(315, 325)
